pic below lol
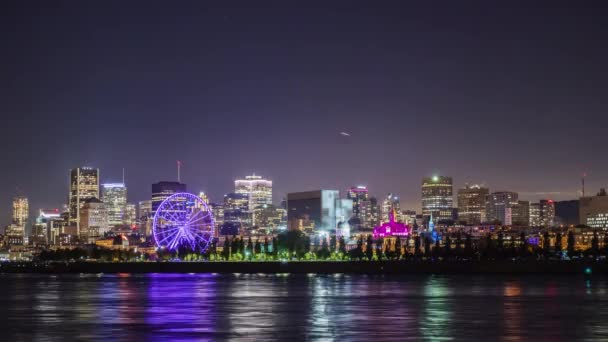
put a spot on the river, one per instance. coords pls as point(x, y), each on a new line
point(286, 307)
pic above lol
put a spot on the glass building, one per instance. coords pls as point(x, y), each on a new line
point(437, 198)
point(114, 196)
point(162, 190)
point(500, 206)
point(84, 185)
point(258, 190)
point(472, 204)
point(319, 210)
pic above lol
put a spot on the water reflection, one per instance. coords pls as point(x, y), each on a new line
point(292, 307)
point(434, 324)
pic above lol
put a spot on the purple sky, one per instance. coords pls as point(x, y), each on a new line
point(504, 94)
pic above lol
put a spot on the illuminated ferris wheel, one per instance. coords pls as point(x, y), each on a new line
point(183, 219)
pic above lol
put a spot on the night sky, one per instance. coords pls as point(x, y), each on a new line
point(508, 95)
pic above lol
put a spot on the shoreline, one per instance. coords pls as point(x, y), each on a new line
point(318, 267)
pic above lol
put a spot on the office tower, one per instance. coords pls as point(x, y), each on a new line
point(520, 213)
point(145, 216)
point(358, 195)
point(499, 207)
point(93, 220)
point(319, 210)
point(130, 218)
point(374, 213)
point(472, 204)
point(20, 211)
point(567, 213)
point(594, 210)
point(162, 190)
point(52, 223)
point(84, 185)
point(145, 209)
point(218, 215)
point(547, 213)
point(534, 215)
point(114, 196)
point(391, 204)
point(236, 208)
point(258, 190)
point(437, 198)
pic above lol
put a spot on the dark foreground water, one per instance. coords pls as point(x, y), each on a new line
point(289, 307)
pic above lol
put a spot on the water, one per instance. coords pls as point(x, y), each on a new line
point(297, 307)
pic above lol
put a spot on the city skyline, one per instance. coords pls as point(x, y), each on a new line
point(518, 107)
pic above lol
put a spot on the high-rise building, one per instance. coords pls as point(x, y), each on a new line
point(258, 190)
point(21, 211)
point(472, 204)
point(437, 198)
point(93, 220)
point(144, 215)
point(520, 213)
point(534, 215)
point(358, 195)
point(162, 190)
point(391, 204)
point(84, 185)
point(547, 213)
point(52, 223)
point(594, 210)
point(130, 218)
point(114, 196)
point(499, 207)
point(317, 210)
point(236, 208)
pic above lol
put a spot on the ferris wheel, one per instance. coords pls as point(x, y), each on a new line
point(183, 219)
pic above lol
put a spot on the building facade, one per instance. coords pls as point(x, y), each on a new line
point(84, 185)
point(93, 220)
point(437, 198)
point(593, 210)
point(547, 213)
point(500, 205)
point(319, 210)
point(472, 204)
point(162, 190)
point(114, 196)
point(258, 190)
point(391, 206)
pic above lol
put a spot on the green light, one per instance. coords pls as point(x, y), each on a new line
point(588, 270)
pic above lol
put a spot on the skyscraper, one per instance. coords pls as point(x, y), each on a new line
point(144, 215)
point(390, 204)
point(84, 185)
point(437, 198)
point(317, 210)
point(472, 204)
point(162, 190)
point(547, 213)
point(93, 220)
point(257, 188)
point(500, 205)
point(20, 211)
point(358, 194)
point(534, 215)
point(114, 196)
point(594, 210)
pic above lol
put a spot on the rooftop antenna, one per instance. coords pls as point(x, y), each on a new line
point(123, 176)
point(179, 166)
point(583, 183)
